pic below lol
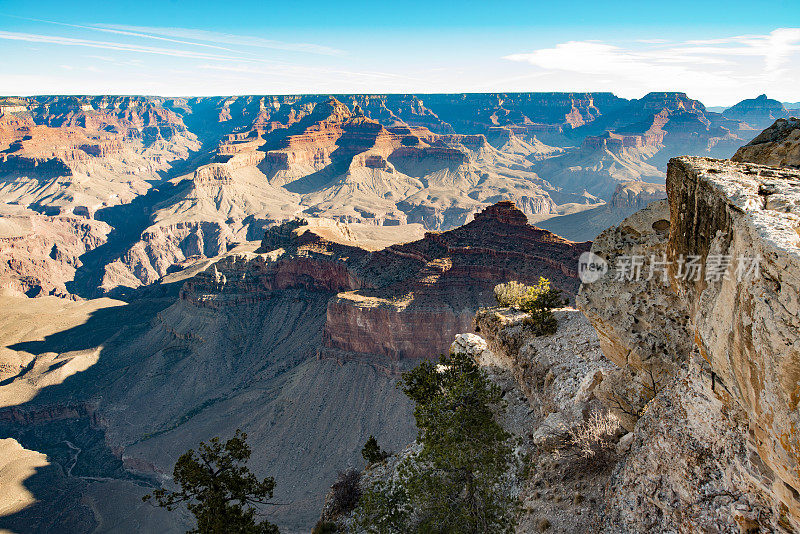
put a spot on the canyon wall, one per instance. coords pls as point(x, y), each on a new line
point(39, 255)
point(241, 164)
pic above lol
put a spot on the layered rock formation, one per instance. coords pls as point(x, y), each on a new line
point(701, 373)
point(454, 273)
point(40, 254)
point(600, 165)
point(403, 302)
point(241, 164)
point(636, 195)
point(66, 155)
point(758, 112)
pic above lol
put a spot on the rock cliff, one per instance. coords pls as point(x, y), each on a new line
point(710, 354)
point(778, 145)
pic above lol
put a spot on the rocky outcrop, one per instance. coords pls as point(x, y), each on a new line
point(636, 195)
point(746, 326)
point(447, 277)
point(714, 350)
point(653, 327)
point(778, 145)
point(548, 385)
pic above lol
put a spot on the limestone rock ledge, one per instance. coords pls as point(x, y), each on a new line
point(725, 413)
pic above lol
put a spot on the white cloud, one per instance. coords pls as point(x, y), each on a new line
point(715, 70)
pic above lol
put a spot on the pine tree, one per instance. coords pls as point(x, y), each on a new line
point(456, 483)
point(219, 489)
point(372, 452)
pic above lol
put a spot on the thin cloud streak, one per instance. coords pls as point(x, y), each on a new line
point(221, 38)
point(124, 47)
point(180, 36)
point(99, 28)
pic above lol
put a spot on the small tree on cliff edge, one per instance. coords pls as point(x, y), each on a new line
point(372, 452)
point(457, 481)
point(219, 489)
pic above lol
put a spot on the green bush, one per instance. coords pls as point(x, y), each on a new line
point(537, 301)
point(510, 295)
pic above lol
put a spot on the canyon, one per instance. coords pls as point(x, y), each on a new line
point(176, 268)
point(181, 179)
point(308, 314)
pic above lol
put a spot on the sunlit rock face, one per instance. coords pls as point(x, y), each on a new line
point(778, 145)
point(728, 340)
point(747, 330)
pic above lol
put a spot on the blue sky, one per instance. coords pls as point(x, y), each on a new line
point(719, 52)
